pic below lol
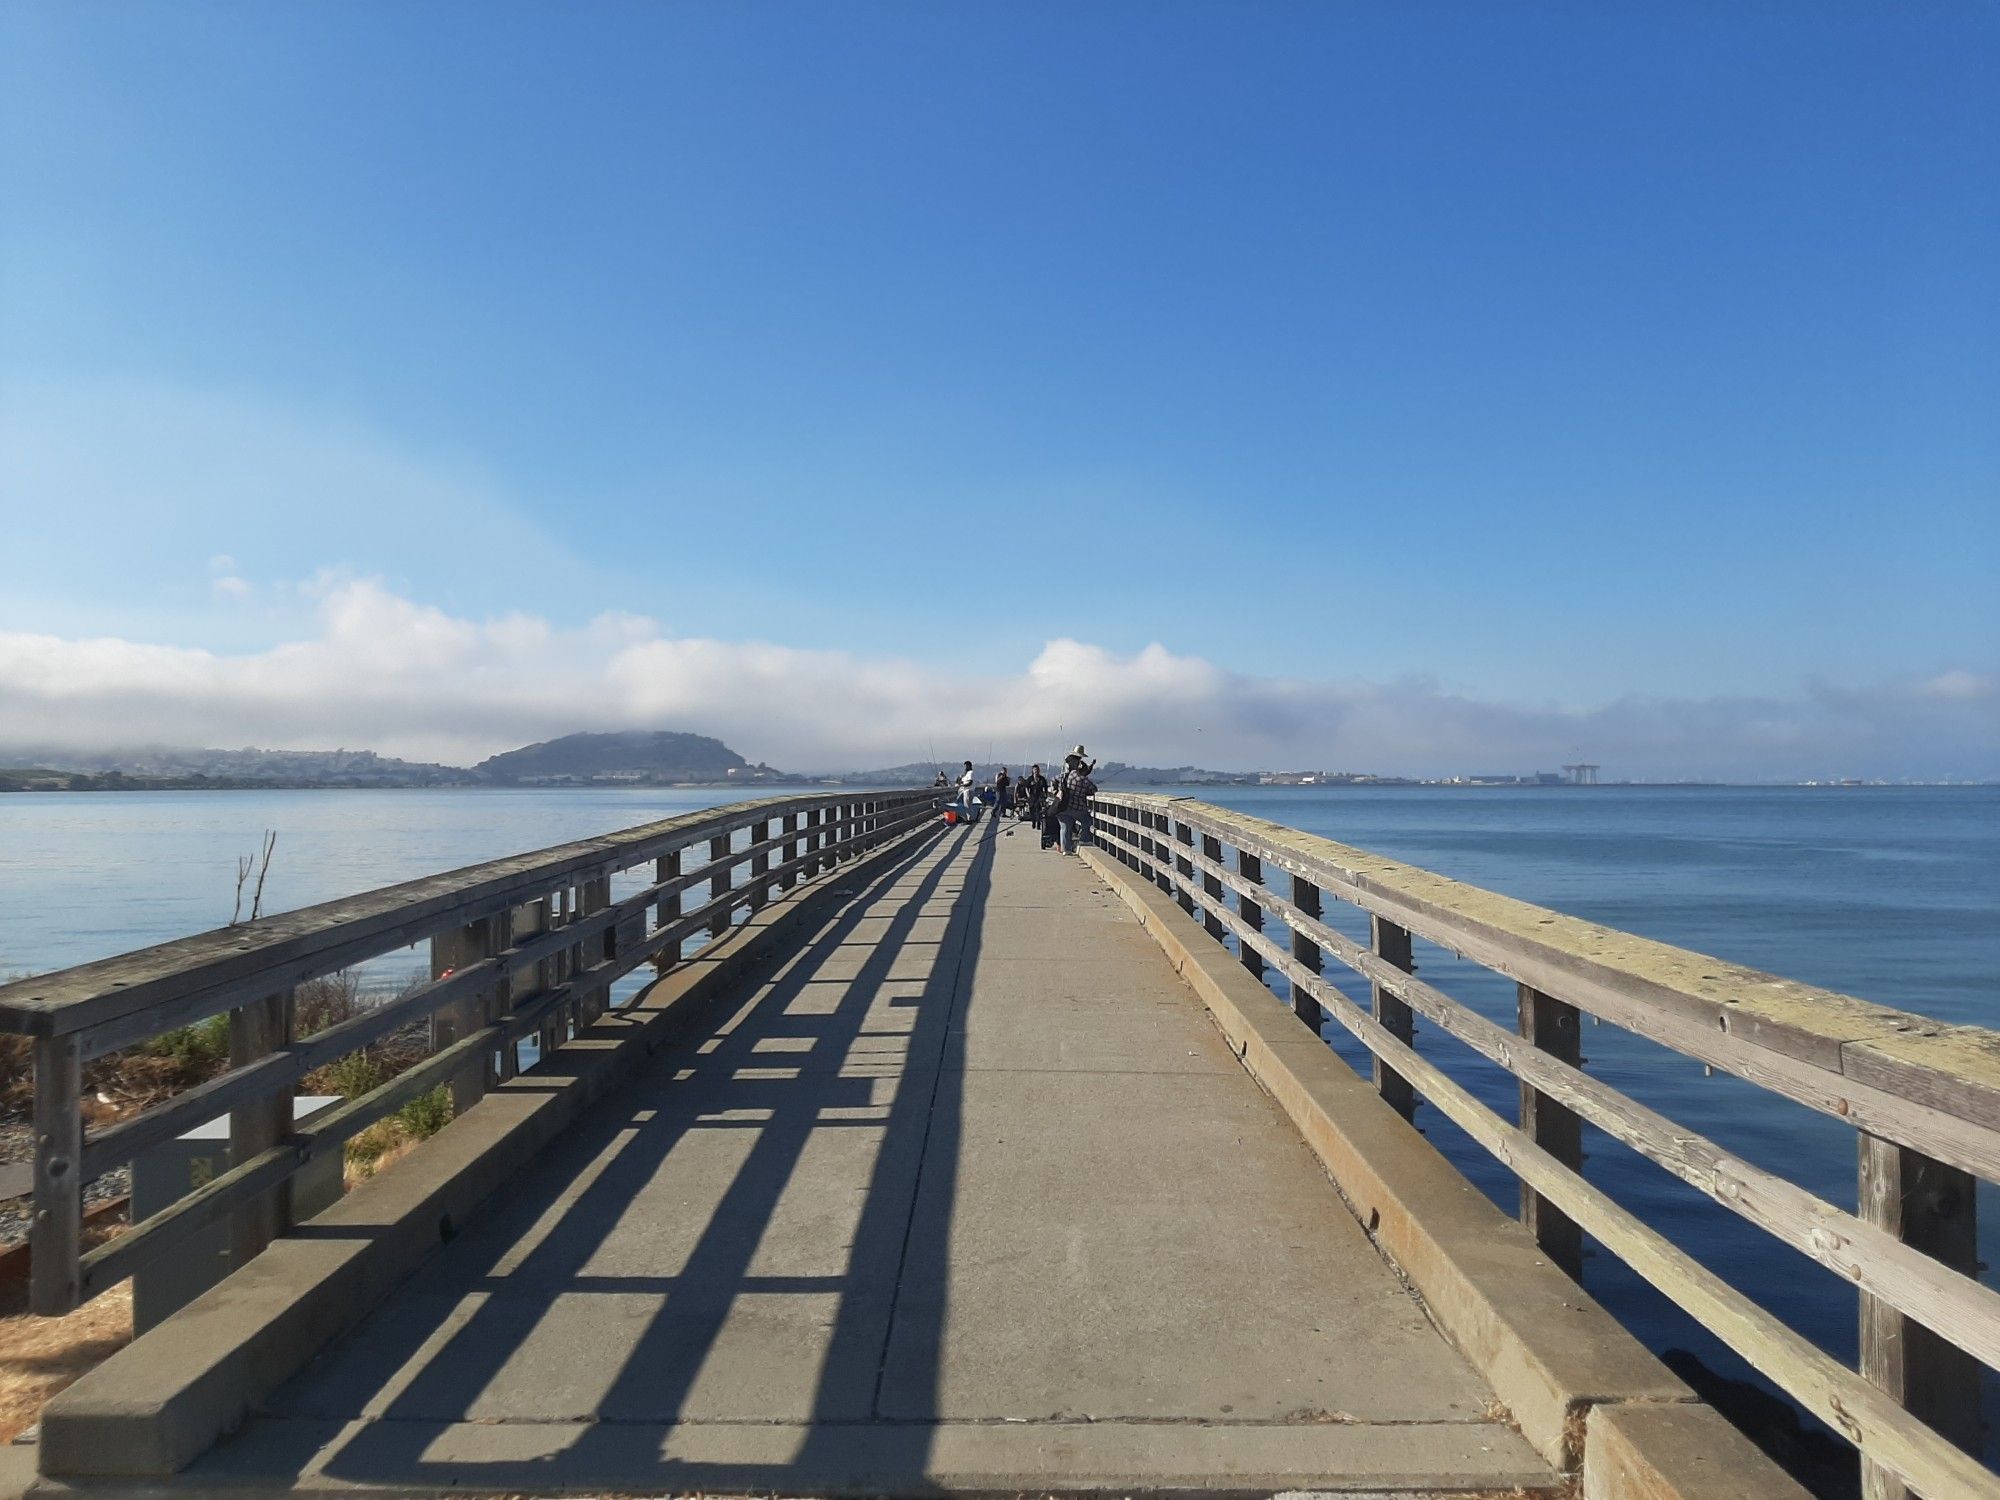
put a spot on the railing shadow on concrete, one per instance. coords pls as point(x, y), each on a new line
point(619, 1150)
point(1923, 1097)
point(522, 948)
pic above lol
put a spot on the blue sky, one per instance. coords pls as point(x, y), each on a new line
point(1542, 358)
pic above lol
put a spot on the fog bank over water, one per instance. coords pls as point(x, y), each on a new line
point(378, 670)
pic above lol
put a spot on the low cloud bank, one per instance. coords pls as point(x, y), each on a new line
point(383, 672)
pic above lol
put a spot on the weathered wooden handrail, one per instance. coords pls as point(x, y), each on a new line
point(524, 946)
point(1924, 1096)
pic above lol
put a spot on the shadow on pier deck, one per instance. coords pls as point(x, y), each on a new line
point(969, 1194)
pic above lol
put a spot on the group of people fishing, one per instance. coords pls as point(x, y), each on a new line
point(1059, 808)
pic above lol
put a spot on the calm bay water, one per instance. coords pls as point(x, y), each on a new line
point(1892, 894)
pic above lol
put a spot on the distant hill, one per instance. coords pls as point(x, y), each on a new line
point(155, 765)
point(638, 756)
point(641, 758)
point(1118, 773)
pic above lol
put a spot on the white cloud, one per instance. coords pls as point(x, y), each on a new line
point(1961, 685)
point(407, 678)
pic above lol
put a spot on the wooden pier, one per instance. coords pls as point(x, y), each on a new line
point(928, 1162)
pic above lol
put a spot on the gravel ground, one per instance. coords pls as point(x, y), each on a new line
point(17, 1144)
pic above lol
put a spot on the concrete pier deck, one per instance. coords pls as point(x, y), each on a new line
point(969, 1195)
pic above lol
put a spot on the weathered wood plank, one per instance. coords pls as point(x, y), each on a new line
point(1929, 1207)
point(1867, 1417)
point(1250, 870)
point(1392, 947)
point(463, 948)
point(1956, 1305)
point(529, 957)
point(1183, 834)
point(1552, 1026)
point(594, 899)
point(1211, 886)
point(319, 939)
point(256, 1031)
point(113, 1262)
point(56, 1232)
point(1305, 901)
point(1928, 1086)
point(760, 864)
point(718, 886)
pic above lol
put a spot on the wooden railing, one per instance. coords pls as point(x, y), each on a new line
point(1923, 1097)
point(520, 947)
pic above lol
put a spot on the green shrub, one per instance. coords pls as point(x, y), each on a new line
point(427, 1114)
point(197, 1049)
point(354, 1075)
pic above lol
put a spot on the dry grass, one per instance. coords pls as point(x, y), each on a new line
point(41, 1356)
point(390, 1143)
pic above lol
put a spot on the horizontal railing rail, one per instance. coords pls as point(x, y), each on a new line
point(1923, 1096)
point(527, 946)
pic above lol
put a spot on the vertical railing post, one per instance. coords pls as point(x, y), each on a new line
point(718, 885)
point(550, 1035)
point(1184, 887)
point(789, 825)
point(563, 914)
point(529, 920)
point(760, 865)
point(667, 910)
point(1251, 868)
point(593, 895)
point(55, 1235)
point(1552, 1026)
point(1211, 888)
point(1392, 946)
point(256, 1031)
point(1305, 896)
point(500, 1000)
point(1928, 1205)
point(452, 950)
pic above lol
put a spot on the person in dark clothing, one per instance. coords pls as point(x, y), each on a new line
point(1073, 794)
point(1003, 794)
point(1035, 795)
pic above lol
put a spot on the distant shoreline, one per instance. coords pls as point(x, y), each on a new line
point(126, 785)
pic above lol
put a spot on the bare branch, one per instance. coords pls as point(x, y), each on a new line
point(257, 901)
point(244, 864)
